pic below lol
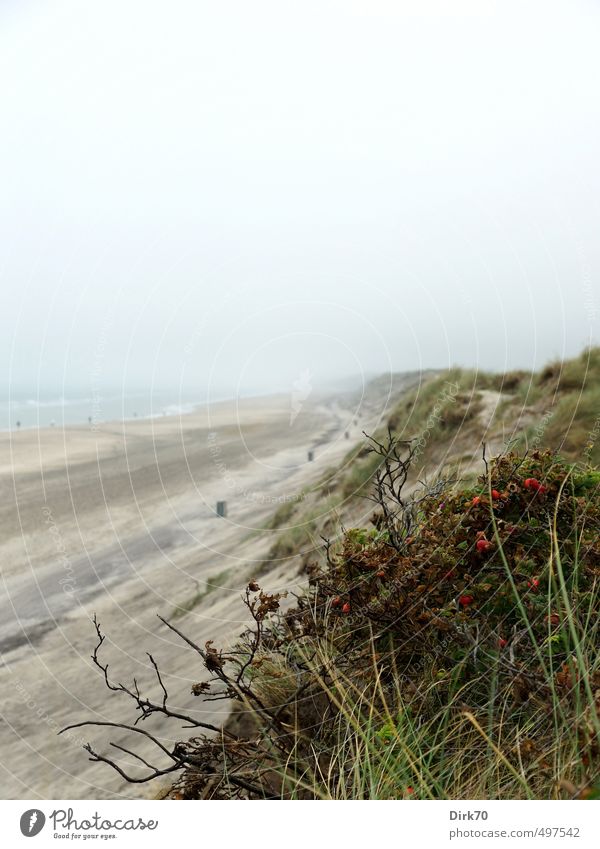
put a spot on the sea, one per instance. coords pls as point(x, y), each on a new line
point(30, 410)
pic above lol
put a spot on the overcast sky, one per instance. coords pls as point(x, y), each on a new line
point(230, 193)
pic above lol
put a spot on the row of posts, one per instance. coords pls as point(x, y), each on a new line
point(222, 505)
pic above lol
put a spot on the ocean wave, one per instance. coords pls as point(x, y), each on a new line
point(173, 410)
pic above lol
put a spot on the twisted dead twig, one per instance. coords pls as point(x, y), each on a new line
point(214, 662)
point(394, 468)
point(388, 482)
point(95, 757)
point(178, 762)
point(180, 757)
point(145, 706)
point(399, 514)
point(207, 757)
point(125, 727)
point(327, 546)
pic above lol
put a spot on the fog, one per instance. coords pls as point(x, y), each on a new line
point(220, 197)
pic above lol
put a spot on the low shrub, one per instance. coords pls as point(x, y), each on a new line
point(451, 651)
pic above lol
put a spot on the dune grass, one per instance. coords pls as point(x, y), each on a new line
point(452, 654)
point(463, 665)
point(213, 583)
point(385, 748)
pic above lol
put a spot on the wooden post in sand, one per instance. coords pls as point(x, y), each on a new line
point(311, 456)
point(221, 508)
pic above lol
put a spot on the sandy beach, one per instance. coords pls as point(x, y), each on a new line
point(120, 522)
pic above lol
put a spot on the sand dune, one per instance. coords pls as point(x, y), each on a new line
point(120, 522)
